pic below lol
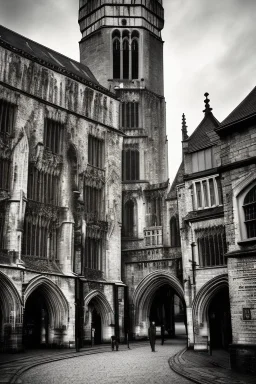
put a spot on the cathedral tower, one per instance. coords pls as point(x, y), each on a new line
point(122, 45)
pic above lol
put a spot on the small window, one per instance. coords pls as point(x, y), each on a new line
point(250, 212)
point(203, 160)
point(7, 114)
point(175, 235)
point(129, 219)
point(207, 193)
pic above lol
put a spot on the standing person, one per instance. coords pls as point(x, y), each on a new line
point(162, 333)
point(152, 335)
point(113, 342)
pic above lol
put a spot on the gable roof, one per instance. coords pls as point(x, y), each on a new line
point(49, 58)
point(204, 135)
point(246, 109)
point(177, 180)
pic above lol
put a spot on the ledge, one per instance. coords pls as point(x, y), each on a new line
point(250, 241)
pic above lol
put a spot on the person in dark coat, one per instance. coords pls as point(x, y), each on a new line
point(152, 335)
point(162, 334)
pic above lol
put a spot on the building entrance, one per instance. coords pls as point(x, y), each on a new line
point(96, 326)
point(167, 309)
point(36, 321)
point(220, 320)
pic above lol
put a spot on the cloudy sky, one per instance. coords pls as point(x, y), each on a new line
point(210, 46)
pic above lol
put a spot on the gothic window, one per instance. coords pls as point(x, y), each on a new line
point(53, 136)
point(207, 193)
point(175, 235)
point(95, 151)
point(126, 59)
point(7, 114)
point(42, 186)
point(131, 165)
point(130, 115)
point(39, 238)
point(93, 202)
point(125, 50)
point(249, 206)
point(5, 174)
point(129, 219)
point(116, 55)
point(212, 246)
point(93, 253)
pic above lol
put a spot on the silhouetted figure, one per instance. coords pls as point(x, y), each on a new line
point(114, 343)
point(162, 334)
point(152, 335)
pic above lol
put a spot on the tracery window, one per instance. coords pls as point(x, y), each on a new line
point(175, 235)
point(207, 193)
point(249, 207)
point(130, 115)
point(5, 174)
point(95, 151)
point(2, 221)
point(43, 186)
point(125, 48)
point(212, 246)
point(93, 253)
point(53, 136)
point(93, 200)
point(39, 238)
point(131, 164)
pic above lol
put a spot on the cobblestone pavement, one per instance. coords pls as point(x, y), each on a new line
point(135, 366)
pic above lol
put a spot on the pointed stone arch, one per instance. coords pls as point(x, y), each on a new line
point(57, 303)
point(144, 293)
point(204, 296)
point(102, 305)
point(10, 300)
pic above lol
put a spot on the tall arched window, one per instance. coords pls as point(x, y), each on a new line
point(126, 59)
point(129, 219)
point(250, 212)
point(125, 54)
point(131, 165)
point(175, 235)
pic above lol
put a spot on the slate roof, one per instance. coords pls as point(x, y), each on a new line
point(204, 135)
point(177, 180)
point(246, 109)
point(48, 57)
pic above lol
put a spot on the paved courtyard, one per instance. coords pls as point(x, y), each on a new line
point(136, 366)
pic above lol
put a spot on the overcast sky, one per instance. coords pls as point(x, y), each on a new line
point(210, 46)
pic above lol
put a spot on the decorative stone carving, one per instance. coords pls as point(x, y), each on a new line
point(46, 160)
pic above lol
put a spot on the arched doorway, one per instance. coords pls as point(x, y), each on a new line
point(220, 320)
point(36, 321)
point(10, 315)
point(159, 297)
point(167, 309)
point(45, 315)
point(98, 318)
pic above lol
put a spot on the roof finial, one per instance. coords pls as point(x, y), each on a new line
point(184, 129)
point(207, 103)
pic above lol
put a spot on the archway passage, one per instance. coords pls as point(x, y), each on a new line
point(36, 321)
point(167, 310)
point(220, 320)
point(96, 326)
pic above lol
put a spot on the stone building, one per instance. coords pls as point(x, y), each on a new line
point(215, 192)
point(129, 60)
point(60, 199)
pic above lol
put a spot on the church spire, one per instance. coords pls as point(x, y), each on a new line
point(207, 109)
point(184, 129)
